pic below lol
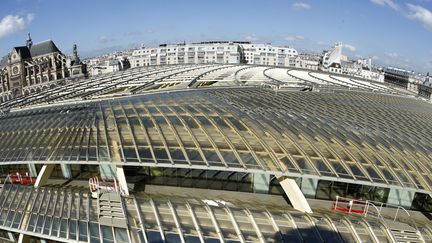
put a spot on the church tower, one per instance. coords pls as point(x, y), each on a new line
point(77, 68)
point(29, 41)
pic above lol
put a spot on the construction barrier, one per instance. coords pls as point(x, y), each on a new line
point(349, 205)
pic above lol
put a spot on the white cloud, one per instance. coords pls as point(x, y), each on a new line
point(393, 55)
point(294, 38)
point(14, 23)
point(389, 3)
point(349, 47)
point(420, 14)
point(105, 39)
point(252, 37)
point(397, 60)
point(301, 6)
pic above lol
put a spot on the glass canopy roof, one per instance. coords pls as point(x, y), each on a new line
point(67, 215)
point(356, 137)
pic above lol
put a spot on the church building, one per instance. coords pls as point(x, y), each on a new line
point(34, 67)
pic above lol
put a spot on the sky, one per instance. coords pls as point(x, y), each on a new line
point(391, 32)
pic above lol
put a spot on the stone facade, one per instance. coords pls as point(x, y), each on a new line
point(31, 68)
point(223, 52)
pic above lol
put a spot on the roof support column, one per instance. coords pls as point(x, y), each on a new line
point(121, 178)
point(294, 194)
point(11, 236)
point(23, 238)
point(44, 175)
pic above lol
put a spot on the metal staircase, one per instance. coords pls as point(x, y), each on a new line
point(406, 236)
point(398, 231)
point(403, 232)
point(111, 210)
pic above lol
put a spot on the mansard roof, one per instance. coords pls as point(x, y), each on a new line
point(23, 51)
point(43, 48)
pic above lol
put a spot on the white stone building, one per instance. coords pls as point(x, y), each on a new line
point(362, 68)
point(331, 60)
point(203, 52)
point(108, 63)
point(215, 52)
point(307, 61)
point(266, 54)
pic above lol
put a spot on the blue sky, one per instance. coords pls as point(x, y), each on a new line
point(393, 32)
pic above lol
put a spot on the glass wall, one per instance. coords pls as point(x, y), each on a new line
point(422, 202)
point(205, 179)
point(328, 190)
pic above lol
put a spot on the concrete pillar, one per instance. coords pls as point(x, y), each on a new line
point(66, 171)
point(121, 178)
point(11, 236)
point(294, 194)
point(44, 175)
point(400, 197)
point(261, 182)
point(309, 187)
point(23, 238)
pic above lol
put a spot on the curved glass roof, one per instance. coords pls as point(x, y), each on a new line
point(356, 137)
point(170, 77)
point(72, 215)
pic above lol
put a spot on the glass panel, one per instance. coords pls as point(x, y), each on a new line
point(161, 155)
point(172, 238)
point(190, 122)
point(305, 166)
point(230, 159)
point(82, 231)
point(322, 167)
point(193, 155)
point(55, 226)
point(121, 235)
point(107, 234)
point(145, 153)
point(154, 236)
point(147, 122)
point(177, 155)
point(357, 172)
point(94, 233)
point(63, 228)
point(72, 229)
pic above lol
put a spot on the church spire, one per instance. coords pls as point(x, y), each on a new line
point(29, 42)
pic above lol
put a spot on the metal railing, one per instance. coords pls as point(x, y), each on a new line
point(97, 186)
point(350, 205)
